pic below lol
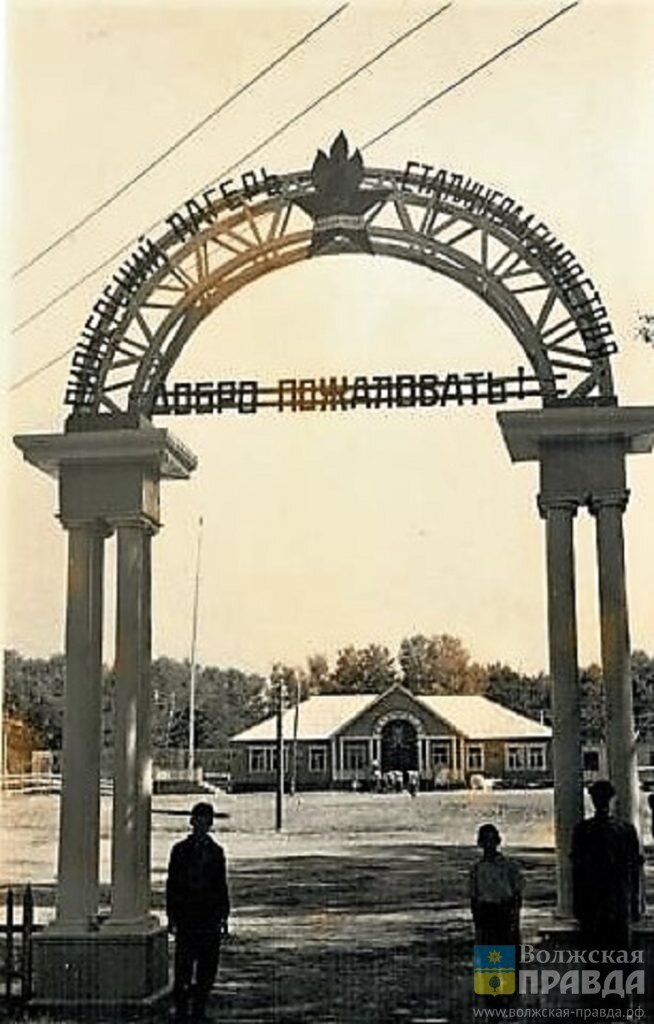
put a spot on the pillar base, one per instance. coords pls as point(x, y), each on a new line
point(100, 972)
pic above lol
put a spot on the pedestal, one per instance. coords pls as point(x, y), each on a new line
point(100, 972)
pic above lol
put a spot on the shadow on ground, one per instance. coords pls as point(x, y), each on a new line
point(374, 934)
point(380, 935)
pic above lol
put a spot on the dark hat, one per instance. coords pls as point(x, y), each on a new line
point(202, 810)
point(488, 830)
point(602, 790)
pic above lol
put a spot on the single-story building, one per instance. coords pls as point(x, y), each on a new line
point(344, 739)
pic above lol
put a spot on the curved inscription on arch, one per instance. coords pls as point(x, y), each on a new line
point(218, 244)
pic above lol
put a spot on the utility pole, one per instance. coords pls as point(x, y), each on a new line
point(194, 641)
point(296, 717)
point(279, 792)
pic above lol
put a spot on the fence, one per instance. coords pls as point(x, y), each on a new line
point(18, 948)
point(45, 782)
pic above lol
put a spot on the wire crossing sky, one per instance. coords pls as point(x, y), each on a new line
point(277, 133)
point(466, 78)
point(179, 141)
point(402, 37)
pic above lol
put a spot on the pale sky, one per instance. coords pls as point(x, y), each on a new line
point(328, 530)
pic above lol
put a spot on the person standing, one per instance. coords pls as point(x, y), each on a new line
point(606, 873)
point(197, 904)
point(496, 886)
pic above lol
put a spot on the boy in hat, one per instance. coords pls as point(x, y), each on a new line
point(197, 903)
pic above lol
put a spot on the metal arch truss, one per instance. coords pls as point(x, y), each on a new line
point(139, 327)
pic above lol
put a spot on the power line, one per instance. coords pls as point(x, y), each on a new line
point(227, 170)
point(42, 368)
point(179, 141)
point(407, 117)
point(335, 88)
point(470, 74)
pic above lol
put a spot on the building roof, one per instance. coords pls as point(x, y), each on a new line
point(324, 716)
point(319, 717)
point(478, 718)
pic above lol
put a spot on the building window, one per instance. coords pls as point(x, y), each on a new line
point(525, 757)
point(536, 758)
point(355, 755)
point(515, 758)
point(441, 754)
point(475, 759)
point(318, 760)
point(263, 760)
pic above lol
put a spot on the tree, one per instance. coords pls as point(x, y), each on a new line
point(646, 328)
point(363, 670)
point(528, 695)
point(593, 712)
point(642, 675)
point(34, 695)
point(318, 675)
point(439, 664)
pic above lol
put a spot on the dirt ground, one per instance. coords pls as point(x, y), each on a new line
point(356, 914)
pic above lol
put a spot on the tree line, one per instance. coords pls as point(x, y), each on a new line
point(229, 700)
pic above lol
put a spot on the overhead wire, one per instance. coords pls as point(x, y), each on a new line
point(470, 74)
point(177, 143)
point(227, 170)
point(393, 127)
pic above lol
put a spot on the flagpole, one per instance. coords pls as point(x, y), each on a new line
point(194, 641)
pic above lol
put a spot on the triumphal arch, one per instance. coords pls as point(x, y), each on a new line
point(110, 461)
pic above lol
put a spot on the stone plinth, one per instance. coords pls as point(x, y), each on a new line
point(100, 971)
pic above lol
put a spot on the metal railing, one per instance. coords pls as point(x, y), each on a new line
point(18, 947)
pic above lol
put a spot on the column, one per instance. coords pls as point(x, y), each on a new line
point(132, 754)
point(559, 514)
point(79, 832)
point(608, 510)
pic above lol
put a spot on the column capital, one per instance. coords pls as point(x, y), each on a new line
point(135, 521)
point(608, 499)
point(97, 527)
point(557, 503)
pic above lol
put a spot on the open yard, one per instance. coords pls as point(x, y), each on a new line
point(356, 913)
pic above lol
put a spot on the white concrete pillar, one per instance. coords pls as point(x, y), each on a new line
point(559, 514)
point(79, 832)
point(608, 510)
point(132, 749)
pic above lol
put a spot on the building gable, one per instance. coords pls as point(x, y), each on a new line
point(396, 702)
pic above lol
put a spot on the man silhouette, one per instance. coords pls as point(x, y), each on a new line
point(197, 903)
point(606, 864)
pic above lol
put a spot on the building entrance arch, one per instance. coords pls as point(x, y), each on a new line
point(399, 746)
point(111, 459)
